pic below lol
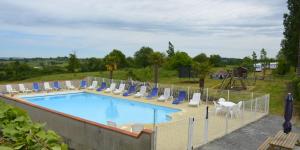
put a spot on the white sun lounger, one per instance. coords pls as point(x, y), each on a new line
point(111, 88)
point(93, 86)
point(10, 89)
point(120, 90)
point(137, 128)
point(47, 86)
point(69, 85)
point(23, 89)
point(196, 100)
point(166, 96)
point(142, 92)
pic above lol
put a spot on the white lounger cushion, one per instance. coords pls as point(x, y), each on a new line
point(167, 94)
point(69, 85)
point(23, 89)
point(47, 86)
point(121, 89)
point(111, 88)
point(195, 101)
point(9, 89)
point(94, 85)
point(142, 92)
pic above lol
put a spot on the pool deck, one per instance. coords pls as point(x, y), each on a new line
point(173, 135)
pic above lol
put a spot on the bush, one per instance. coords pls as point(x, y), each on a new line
point(17, 131)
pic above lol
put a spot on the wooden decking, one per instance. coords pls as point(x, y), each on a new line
point(281, 141)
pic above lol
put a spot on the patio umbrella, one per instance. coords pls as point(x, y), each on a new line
point(288, 113)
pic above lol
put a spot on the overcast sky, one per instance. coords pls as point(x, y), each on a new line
point(50, 28)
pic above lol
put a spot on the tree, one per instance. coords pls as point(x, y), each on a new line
point(180, 59)
point(247, 62)
point(290, 44)
point(111, 64)
point(73, 63)
point(157, 60)
point(254, 61)
point(282, 65)
point(119, 57)
point(170, 50)
point(201, 70)
point(142, 57)
point(264, 61)
point(201, 58)
point(216, 60)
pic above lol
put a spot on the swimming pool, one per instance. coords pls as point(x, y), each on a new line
point(101, 108)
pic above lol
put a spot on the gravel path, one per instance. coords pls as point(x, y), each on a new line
point(249, 137)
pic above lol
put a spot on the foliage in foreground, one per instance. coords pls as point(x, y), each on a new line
point(18, 132)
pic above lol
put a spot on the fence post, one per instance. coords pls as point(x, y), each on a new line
point(226, 124)
point(265, 100)
point(190, 133)
point(243, 112)
point(252, 98)
point(154, 138)
point(188, 89)
point(255, 107)
point(154, 118)
point(228, 91)
point(268, 103)
point(206, 126)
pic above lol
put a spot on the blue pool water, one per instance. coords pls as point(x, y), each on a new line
point(100, 108)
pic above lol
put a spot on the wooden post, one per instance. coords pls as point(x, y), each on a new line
point(298, 67)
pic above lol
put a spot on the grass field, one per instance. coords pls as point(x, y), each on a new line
point(275, 87)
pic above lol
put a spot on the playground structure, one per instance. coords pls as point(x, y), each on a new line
point(236, 79)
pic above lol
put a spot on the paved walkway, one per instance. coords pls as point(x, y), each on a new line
point(249, 137)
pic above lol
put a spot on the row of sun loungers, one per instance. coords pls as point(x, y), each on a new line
point(195, 101)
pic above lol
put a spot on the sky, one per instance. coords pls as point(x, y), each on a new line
point(92, 28)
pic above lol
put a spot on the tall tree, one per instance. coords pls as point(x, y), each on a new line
point(171, 51)
point(73, 63)
point(216, 60)
point(201, 58)
point(157, 60)
point(290, 43)
point(142, 57)
point(111, 64)
point(264, 61)
point(119, 57)
point(201, 70)
point(254, 61)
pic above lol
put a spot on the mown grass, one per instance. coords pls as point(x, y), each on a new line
point(275, 87)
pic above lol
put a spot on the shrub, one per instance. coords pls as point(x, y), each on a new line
point(17, 131)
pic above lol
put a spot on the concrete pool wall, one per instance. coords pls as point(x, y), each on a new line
point(82, 134)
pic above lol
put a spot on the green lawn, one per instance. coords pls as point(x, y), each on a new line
point(276, 87)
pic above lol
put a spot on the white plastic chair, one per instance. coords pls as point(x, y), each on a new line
point(10, 89)
point(47, 86)
point(93, 86)
point(142, 92)
point(166, 96)
point(69, 85)
point(137, 128)
point(236, 110)
point(196, 100)
point(23, 89)
point(221, 100)
point(120, 89)
point(218, 108)
point(111, 88)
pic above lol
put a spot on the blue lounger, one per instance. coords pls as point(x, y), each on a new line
point(153, 93)
point(130, 91)
point(83, 84)
point(36, 87)
point(180, 98)
point(103, 87)
point(56, 85)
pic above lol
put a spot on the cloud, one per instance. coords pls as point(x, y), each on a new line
point(219, 26)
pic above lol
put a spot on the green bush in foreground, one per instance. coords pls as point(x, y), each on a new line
point(18, 132)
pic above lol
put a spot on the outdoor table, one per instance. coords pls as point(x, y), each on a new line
point(227, 104)
point(285, 141)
